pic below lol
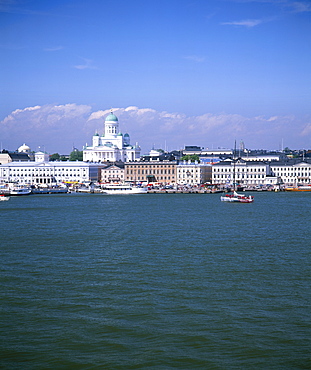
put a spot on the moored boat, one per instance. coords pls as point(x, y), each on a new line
point(124, 189)
point(19, 190)
point(299, 188)
point(57, 189)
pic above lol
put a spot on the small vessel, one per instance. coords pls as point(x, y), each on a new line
point(3, 197)
point(238, 198)
point(55, 189)
point(123, 189)
point(19, 190)
point(299, 188)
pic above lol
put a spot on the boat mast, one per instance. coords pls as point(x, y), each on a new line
point(234, 185)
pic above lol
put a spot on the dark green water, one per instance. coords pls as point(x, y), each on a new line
point(170, 281)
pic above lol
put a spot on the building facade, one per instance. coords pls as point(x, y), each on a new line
point(49, 172)
point(112, 145)
point(246, 173)
point(292, 172)
point(150, 171)
point(193, 173)
point(113, 173)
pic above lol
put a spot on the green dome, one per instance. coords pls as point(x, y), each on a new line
point(111, 117)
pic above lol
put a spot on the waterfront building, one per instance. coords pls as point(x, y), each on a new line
point(113, 172)
point(247, 173)
point(49, 172)
point(193, 173)
point(292, 172)
point(151, 171)
point(112, 145)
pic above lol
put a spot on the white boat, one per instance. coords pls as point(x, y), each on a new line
point(19, 190)
point(58, 189)
point(123, 189)
point(3, 197)
point(238, 198)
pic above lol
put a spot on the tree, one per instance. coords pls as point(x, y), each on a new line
point(192, 158)
point(55, 157)
point(76, 155)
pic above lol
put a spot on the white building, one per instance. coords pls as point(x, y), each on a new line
point(112, 145)
point(261, 157)
point(113, 173)
point(245, 172)
point(193, 173)
point(49, 172)
point(291, 172)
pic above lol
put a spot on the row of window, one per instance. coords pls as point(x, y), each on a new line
point(151, 172)
point(238, 176)
point(46, 169)
point(142, 178)
point(216, 169)
point(150, 166)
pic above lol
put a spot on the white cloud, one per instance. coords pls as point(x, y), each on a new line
point(245, 23)
point(88, 64)
point(55, 48)
point(56, 127)
point(59, 127)
point(194, 58)
point(306, 131)
point(299, 6)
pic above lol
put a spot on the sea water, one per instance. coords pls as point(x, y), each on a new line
point(155, 281)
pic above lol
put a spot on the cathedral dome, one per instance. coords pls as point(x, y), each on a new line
point(24, 149)
point(111, 117)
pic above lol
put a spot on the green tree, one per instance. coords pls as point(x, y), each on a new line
point(55, 157)
point(76, 155)
point(192, 158)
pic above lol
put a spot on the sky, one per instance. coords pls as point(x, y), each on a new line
point(175, 72)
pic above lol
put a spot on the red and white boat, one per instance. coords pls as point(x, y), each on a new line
point(3, 197)
point(238, 198)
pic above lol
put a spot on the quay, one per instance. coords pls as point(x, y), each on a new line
point(181, 191)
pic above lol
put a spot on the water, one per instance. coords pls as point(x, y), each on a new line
point(169, 281)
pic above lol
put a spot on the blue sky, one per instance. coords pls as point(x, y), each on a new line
point(176, 72)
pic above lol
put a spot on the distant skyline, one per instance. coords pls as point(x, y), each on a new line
point(175, 72)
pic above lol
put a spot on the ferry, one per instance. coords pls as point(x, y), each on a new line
point(124, 189)
point(45, 189)
point(19, 190)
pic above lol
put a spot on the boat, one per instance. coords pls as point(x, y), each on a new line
point(124, 189)
point(299, 188)
point(3, 197)
point(238, 198)
point(235, 197)
point(19, 190)
point(55, 189)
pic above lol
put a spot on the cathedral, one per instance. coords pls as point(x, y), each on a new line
point(112, 146)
